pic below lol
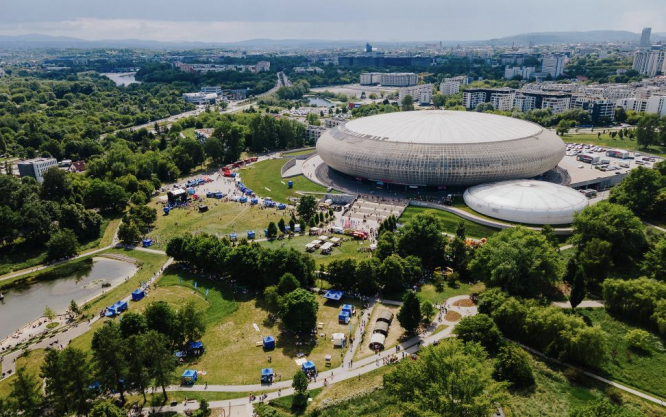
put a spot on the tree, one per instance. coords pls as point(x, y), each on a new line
point(595, 258)
point(300, 382)
point(428, 310)
point(26, 391)
point(438, 100)
point(450, 379)
point(192, 322)
point(578, 289)
point(106, 409)
point(57, 185)
point(514, 365)
point(292, 224)
point(410, 315)
point(386, 245)
point(313, 119)
point(133, 324)
point(654, 263)
point(109, 352)
point(341, 273)
point(460, 230)
point(288, 283)
point(138, 351)
point(307, 207)
point(518, 260)
point(549, 233)
point(646, 130)
point(272, 297)
point(612, 223)
point(163, 319)
point(601, 407)
point(391, 274)
point(129, 233)
point(74, 308)
point(214, 148)
point(366, 276)
point(299, 310)
point(204, 409)
point(479, 328)
point(161, 362)
point(272, 230)
point(422, 237)
point(281, 225)
point(49, 313)
point(62, 244)
point(638, 190)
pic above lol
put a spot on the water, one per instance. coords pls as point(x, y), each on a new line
point(320, 102)
point(122, 78)
point(25, 304)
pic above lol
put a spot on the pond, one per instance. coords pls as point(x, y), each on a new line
point(319, 102)
point(80, 282)
point(122, 78)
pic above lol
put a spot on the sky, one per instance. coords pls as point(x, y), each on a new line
point(369, 20)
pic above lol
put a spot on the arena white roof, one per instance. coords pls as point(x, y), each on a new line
point(441, 126)
point(526, 201)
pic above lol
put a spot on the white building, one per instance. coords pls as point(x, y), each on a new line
point(36, 167)
point(524, 72)
point(649, 62)
point(370, 78)
point(656, 104)
point(636, 104)
point(503, 99)
point(391, 79)
point(263, 66)
point(421, 94)
point(449, 88)
point(553, 65)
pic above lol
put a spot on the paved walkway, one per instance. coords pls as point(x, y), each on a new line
point(583, 304)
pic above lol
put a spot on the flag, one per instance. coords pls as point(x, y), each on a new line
point(195, 285)
point(180, 278)
point(206, 292)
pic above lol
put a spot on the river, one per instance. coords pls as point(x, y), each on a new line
point(122, 78)
point(24, 304)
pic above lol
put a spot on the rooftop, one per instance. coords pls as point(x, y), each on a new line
point(441, 127)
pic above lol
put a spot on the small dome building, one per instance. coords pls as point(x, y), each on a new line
point(526, 201)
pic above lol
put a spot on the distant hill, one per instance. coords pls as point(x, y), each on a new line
point(538, 38)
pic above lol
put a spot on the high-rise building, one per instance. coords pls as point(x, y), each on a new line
point(649, 62)
point(368, 47)
point(36, 167)
point(553, 65)
point(645, 37)
point(421, 94)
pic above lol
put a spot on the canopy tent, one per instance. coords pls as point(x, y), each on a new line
point(309, 366)
point(334, 295)
point(348, 307)
point(138, 294)
point(269, 343)
point(147, 242)
point(195, 345)
point(335, 241)
point(381, 327)
point(251, 234)
point(339, 339)
point(343, 317)
point(386, 316)
point(377, 341)
point(189, 377)
point(120, 306)
point(267, 375)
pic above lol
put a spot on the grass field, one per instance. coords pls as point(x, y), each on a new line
point(32, 361)
point(265, 179)
point(348, 249)
point(643, 370)
point(607, 142)
point(221, 219)
point(430, 293)
point(232, 356)
point(449, 222)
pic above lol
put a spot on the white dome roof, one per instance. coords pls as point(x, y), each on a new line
point(526, 201)
point(441, 126)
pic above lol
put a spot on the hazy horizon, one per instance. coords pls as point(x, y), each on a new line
point(385, 21)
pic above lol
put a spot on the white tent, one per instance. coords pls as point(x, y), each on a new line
point(377, 341)
point(338, 339)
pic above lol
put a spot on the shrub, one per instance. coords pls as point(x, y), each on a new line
point(638, 339)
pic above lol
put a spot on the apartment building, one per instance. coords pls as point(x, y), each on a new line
point(599, 108)
point(553, 65)
point(656, 104)
point(391, 79)
point(524, 72)
point(449, 88)
point(422, 94)
point(649, 62)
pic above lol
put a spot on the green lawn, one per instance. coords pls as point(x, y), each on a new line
point(449, 222)
point(189, 133)
point(221, 219)
point(607, 142)
point(32, 361)
point(430, 293)
point(265, 179)
point(348, 249)
point(297, 153)
point(643, 370)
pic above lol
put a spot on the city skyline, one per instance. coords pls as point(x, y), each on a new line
point(388, 21)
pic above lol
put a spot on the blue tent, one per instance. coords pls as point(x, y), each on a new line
point(334, 295)
point(309, 366)
point(233, 236)
point(254, 201)
point(147, 242)
point(343, 317)
point(251, 234)
point(138, 294)
point(269, 343)
point(349, 308)
point(267, 375)
point(243, 200)
point(281, 206)
point(94, 386)
point(189, 377)
point(248, 191)
point(290, 184)
point(195, 345)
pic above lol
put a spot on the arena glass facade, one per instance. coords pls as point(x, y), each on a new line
point(434, 159)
